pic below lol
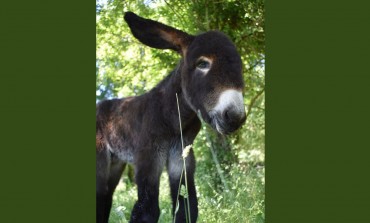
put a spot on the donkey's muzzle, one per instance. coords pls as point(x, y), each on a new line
point(228, 121)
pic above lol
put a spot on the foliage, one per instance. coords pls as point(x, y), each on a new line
point(126, 67)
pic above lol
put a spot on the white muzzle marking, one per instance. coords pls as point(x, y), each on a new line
point(230, 98)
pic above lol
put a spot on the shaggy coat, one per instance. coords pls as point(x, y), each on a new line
point(145, 130)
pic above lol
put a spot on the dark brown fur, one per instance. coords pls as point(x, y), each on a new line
point(145, 131)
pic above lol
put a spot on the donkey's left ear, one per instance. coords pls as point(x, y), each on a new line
point(158, 35)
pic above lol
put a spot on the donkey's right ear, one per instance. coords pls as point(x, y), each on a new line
point(158, 35)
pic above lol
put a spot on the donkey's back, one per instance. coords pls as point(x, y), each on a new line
point(119, 125)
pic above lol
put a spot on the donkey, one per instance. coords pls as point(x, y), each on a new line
point(145, 130)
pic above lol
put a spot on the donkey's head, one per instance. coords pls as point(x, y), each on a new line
point(211, 70)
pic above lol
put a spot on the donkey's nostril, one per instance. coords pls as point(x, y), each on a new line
point(229, 120)
point(226, 115)
point(231, 116)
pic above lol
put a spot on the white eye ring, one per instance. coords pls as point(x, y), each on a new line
point(204, 64)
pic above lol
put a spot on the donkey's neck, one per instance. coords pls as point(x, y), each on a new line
point(168, 89)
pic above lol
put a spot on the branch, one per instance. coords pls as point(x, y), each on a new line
point(177, 14)
point(253, 101)
point(255, 65)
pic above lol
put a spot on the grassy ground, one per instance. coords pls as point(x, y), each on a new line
point(243, 202)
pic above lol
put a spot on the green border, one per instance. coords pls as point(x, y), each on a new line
point(47, 92)
point(317, 100)
point(317, 111)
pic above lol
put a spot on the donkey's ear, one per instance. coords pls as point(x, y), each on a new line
point(158, 35)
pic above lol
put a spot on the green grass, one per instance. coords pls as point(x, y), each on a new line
point(244, 202)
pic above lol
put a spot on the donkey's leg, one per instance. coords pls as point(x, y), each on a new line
point(102, 172)
point(174, 168)
point(148, 168)
point(116, 169)
point(109, 170)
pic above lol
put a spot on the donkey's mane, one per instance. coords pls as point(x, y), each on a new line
point(173, 78)
point(167, 90)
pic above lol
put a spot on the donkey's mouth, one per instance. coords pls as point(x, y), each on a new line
point(225, 125)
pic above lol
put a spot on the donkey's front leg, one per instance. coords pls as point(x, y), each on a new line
point(148, 169)
point(175, 168)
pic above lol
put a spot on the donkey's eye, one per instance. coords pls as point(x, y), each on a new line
point(203, 64)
